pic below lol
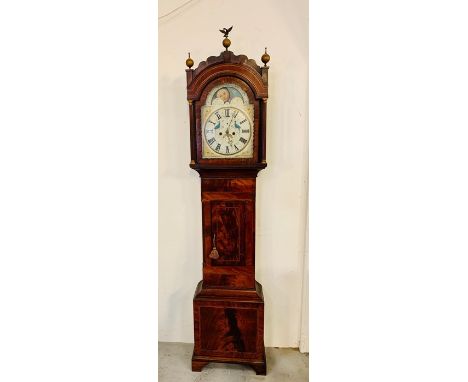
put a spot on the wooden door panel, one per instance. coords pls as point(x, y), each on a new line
point(228, 224)
point(232, 221)
point(228, 329)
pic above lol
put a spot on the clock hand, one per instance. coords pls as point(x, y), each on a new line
point(226, 132)
point(228, 136)
point(232, 118)
point(230, 123)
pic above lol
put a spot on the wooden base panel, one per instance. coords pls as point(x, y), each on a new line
point(199, 362)
point(228, 327)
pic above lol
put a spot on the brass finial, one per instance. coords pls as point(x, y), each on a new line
point(265, 57)
point(226, 41)
point(189, 61)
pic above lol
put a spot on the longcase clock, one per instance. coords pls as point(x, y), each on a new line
point(227, 97)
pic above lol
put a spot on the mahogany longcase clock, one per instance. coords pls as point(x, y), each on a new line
point(227, 98)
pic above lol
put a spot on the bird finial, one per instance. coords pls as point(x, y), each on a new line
point(226, 41)
point(225, 31)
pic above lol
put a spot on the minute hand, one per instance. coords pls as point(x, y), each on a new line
point(226, 133)
point(230, 122)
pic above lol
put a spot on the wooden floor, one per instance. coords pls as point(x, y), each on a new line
point(283, 365)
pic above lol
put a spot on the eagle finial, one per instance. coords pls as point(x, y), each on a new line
point(225, 31)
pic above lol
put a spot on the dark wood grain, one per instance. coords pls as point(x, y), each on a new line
point(217, 196)
point(260, 366)
point(227, 56)
point(229, 328)
point(227, 64)
point(262, 145)
point(193, 138)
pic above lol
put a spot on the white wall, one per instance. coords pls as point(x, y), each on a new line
point(281, 188)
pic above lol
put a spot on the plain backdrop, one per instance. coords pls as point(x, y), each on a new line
point(388, 188)
point(281, 187)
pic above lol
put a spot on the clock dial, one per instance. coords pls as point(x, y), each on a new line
point(228, 131)
point(227, 123)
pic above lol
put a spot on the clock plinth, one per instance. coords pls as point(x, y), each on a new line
point(228, 327)
point(227, 98)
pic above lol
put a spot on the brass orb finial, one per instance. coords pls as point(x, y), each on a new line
point(226, 41)
point(265, 57)
point(189, 61)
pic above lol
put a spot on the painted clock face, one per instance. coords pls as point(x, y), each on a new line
point(228, 131)
point(227, 123)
